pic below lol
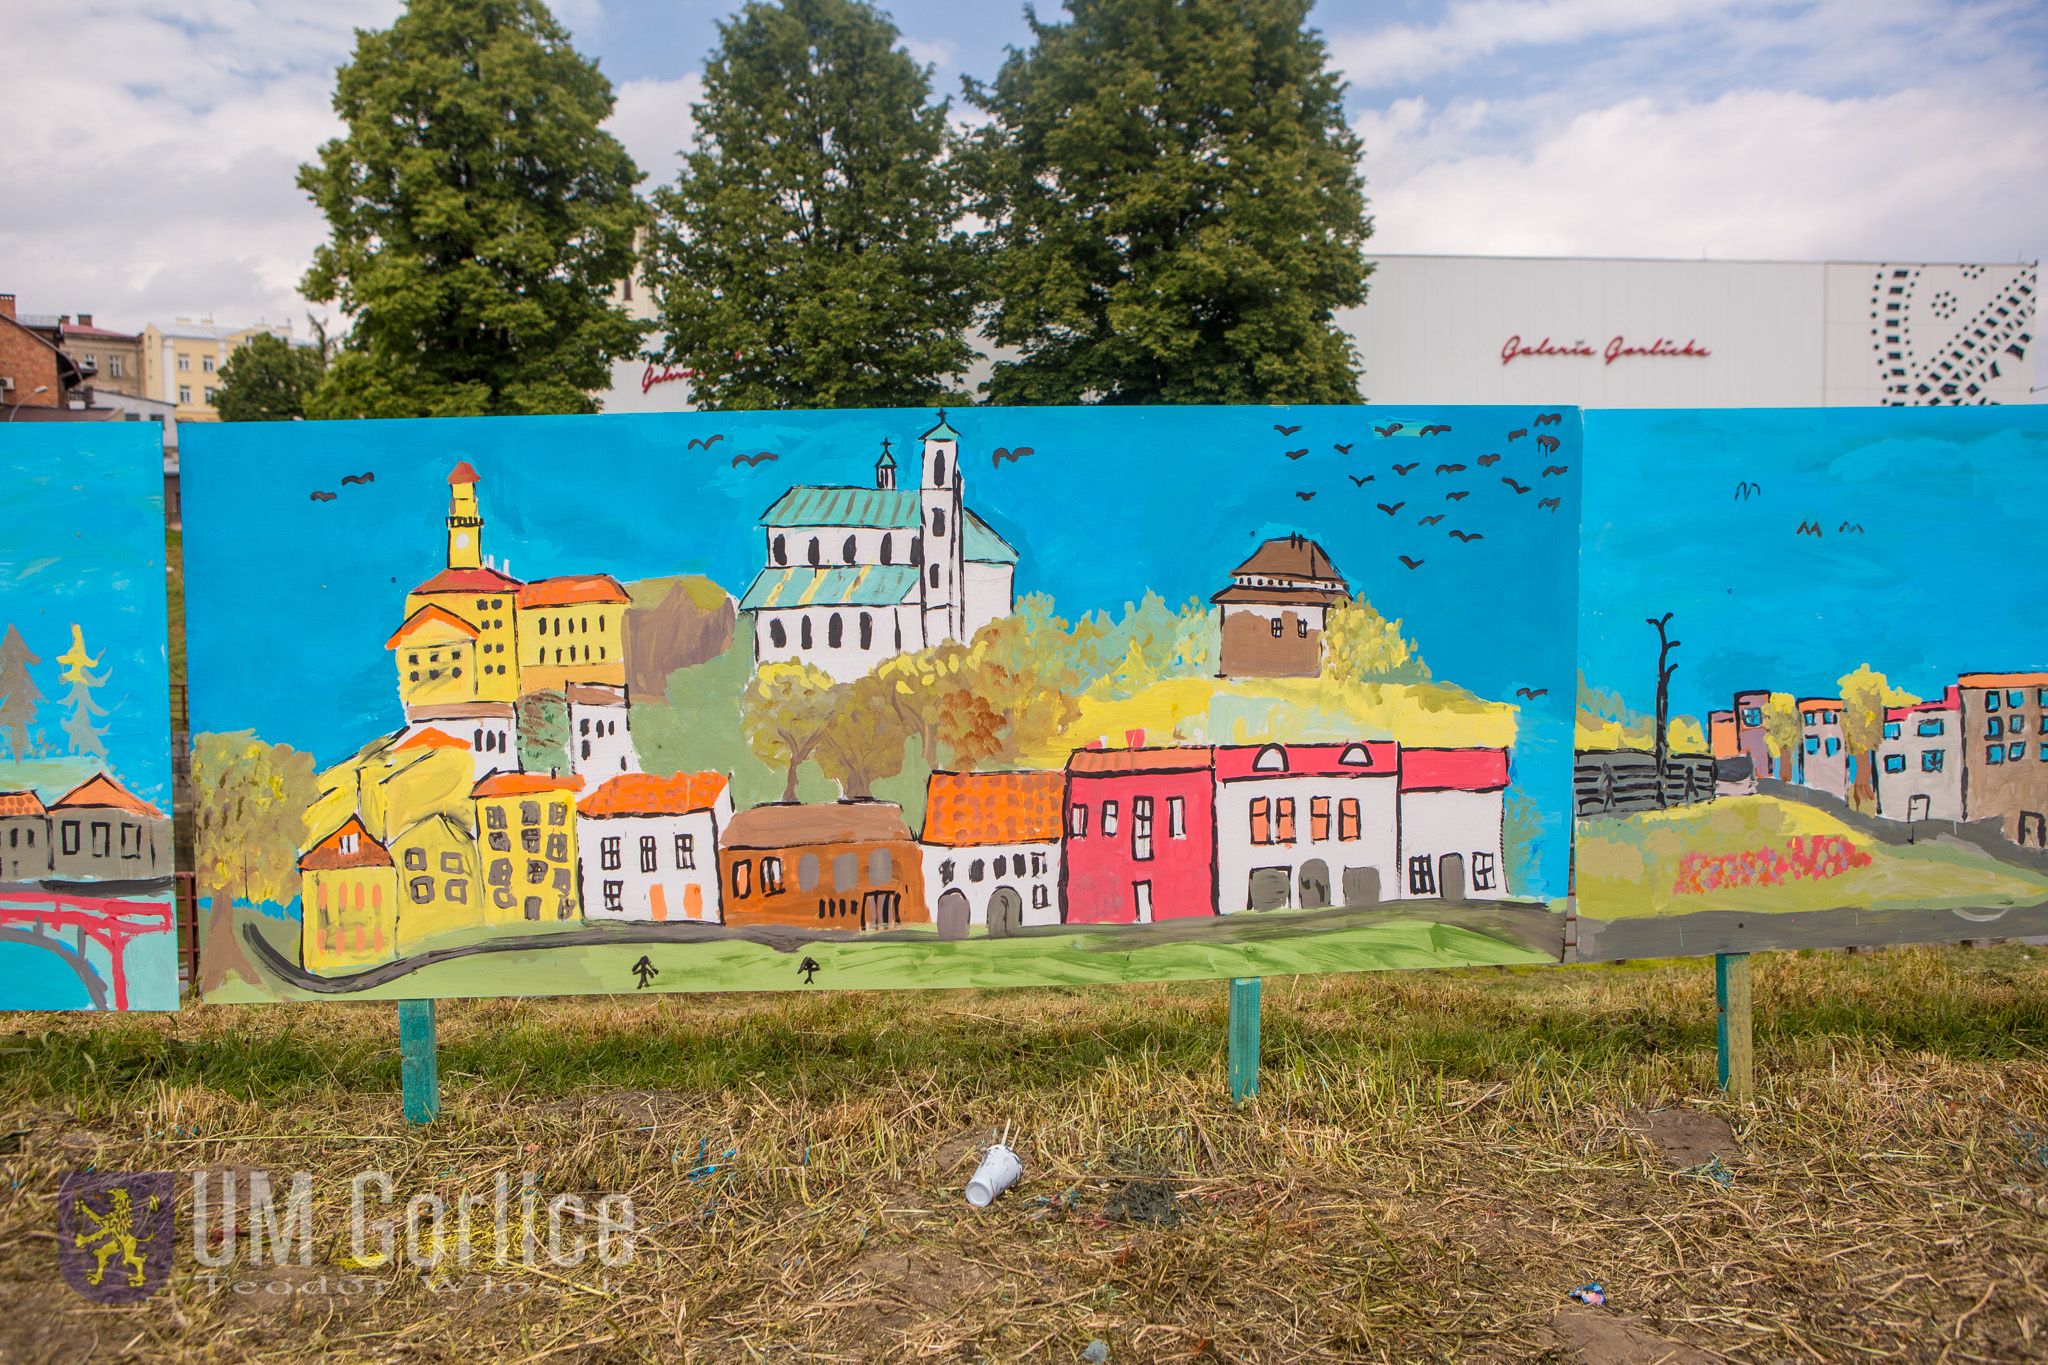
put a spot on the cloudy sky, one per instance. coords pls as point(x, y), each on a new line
point(151, 145)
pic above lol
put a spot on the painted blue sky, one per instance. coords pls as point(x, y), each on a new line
point(1781, 129)
point(1944, 577)
point(291, 599)
point(84, 544)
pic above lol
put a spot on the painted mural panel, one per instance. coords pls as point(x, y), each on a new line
point(86, 856)
point(879, 698)
point(1849, 614)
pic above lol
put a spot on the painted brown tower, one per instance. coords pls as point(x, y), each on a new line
point(1273, 612)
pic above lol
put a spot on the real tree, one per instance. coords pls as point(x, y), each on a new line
point(268, 379)
point(479, 218)
point(1175, 208)
point(810, 252)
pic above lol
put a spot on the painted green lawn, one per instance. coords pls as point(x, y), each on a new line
point(1628, 866)
point(1070, 959)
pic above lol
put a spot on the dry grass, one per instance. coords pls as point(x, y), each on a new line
point(1433, 1160)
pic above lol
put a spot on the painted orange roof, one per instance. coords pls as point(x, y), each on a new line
point(101, 790)
point(468, 580)
point(430, 738)
point(964, 809)
point(525, 784)
point(2036, 679)
point(568, 590)
point(462, 473)
point(429, 615)
point(20, 803)
point(1180, 759)
point(646, 794)
point(326, 856)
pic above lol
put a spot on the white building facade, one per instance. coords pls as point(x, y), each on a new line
point(1920, 761)
point(1453, 823)
point(854, 576)
point(647, 847)
point(600, 739)
point(991, 850)
point(1307, 825)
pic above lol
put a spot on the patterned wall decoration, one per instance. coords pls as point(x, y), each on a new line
point(1941, 333)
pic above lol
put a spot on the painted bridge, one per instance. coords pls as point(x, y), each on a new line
point(38, 916)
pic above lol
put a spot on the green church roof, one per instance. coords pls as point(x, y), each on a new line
point(852, 585)
point(881, 509)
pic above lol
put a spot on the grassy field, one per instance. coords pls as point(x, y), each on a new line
point(1628, 866)
point(1433, 1161)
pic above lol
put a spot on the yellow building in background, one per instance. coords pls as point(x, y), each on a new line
point(528, 853)
point(181, 363)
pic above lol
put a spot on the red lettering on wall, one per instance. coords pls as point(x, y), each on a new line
point(650, 376)
point(1618, 348)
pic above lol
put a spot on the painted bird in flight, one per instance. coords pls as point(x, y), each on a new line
point(1411, 563)
point(1403, 469)
point(1431, 520)
point(694, 442)
point(1390, 508)
point(1509, 480)
point(1286, 431)
point(1389, 429)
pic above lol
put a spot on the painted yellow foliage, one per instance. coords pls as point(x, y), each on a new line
point(1250, 711)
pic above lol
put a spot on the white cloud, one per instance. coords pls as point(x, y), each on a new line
point(1915, 174)
point(653, 120)
point(942, 53)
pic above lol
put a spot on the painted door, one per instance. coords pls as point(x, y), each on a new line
point(1315, 884)
point(1361, 886)
point(1141, 893)
point(1450, 877)
point(1269, 888)
point(1005, 912)
point(954, 914)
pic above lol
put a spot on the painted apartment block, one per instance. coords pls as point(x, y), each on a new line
point(1307, 825)
point(832, 865)
point(1271, 616)
point(98, 831)
point(24, 837)
point(856, 575)
point(992, 850)
point(1140, 835)
point(1823, 761)
point(1453, 820)
point(1751, 740)
point(600, 733)
point(1920, 760)
point(647, 847)
point(529, 845)
point(2005, 752)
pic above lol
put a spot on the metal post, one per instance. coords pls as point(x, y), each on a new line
point(418, 1071)
point(1244, 1038)
point(1732, 1026)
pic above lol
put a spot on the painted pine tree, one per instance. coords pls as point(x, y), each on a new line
point(83, 682)
point(18, 693)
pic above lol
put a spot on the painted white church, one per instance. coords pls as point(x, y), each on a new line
point(857, 575)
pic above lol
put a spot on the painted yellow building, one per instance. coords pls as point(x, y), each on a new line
point(527, 828)
point(438, 890)
point(348, 901)
point(572, 629)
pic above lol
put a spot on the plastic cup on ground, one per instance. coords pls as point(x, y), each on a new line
point(998, 1171)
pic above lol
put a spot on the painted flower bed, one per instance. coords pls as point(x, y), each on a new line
point(1814, 857)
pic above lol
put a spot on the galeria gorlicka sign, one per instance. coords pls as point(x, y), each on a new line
point(1618, 348)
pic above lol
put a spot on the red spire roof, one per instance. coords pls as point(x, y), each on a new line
point(462, 473)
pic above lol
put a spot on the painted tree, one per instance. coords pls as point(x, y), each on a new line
point(920, 688)
point(1783, 731)
point(1175, 207)
point(1865, 695)
point(862, 740)
point(1660, 723)
point(479, 217)
point(268, 379)
point(1020, 692)
point(1361, 645)
point(18, 692)
point(86, 738)
point(249, 801)
point(784, 712)
point(810, 252)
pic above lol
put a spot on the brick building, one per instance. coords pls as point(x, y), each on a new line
point(2005, 752)
point(829, 865)
point(34, 370)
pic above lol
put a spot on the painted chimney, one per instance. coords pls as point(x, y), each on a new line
point(1134, 739)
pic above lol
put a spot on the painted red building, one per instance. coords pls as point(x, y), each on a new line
point(1140, 835)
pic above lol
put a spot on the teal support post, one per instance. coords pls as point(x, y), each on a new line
point(418, 1071)
point(1733, 1036)
point(1244, 1038)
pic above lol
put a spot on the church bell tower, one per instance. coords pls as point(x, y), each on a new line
point(465, 522)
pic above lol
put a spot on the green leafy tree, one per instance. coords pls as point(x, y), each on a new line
point(18, 691)
point(809, 253)
point(1784, 730)
point(268, 379)
point(1174, 205)
point(479, 218)
point(784, 712)
point(249, 801)
point(863, 738)
point(1865, 695)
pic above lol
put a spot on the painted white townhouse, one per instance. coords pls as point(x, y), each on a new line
point(1453, 820)
point(600, 740)
point(647, 847)
point(1920, 760)
point(991, 849)
point(1307, 825)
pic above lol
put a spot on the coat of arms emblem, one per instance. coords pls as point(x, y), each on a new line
point(116, 1233)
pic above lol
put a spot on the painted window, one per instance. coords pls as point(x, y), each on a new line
point(1271, 759)
point(1262, 820)
point(938, 471)
point(846, 550)
point(803, 630)
point(102, 839)
point(1283, 820)
point(686, 855)
point(452, 862)
point(1141, 828)
point(1990, 701)
point(1421, 876)
point(935, 575)
point(946, 871)
point(1319, 818)
point(1993, 727)
point(1277, 627)
point(771, 876)
point(1040, 897)
point(867, 630)
point(1176, 822)
point(846, 872)
point(781, 550)
point(1482, 872)
point(1931, 760)
point(1995, 754)
point(1930, 728)
point(976, 869)
point(421, 889)
point(2016, 725)
point(1895, 763)
point(650, 854)
point(1752, 715)
point(816, 555)
point(1834, 747)
point(881, 867)
point(457, 891)
point(742, 878)
point(2015, 699)
point(1347, 819)
point(835, 630)
point(558, 847)
point(888, 548)
point(615, 896)
point(1003, 866)
point(938, 521)
point(1109, 819)
point(1812, 744)
point(2015, 752)
point(1301, 626)
point(1077, 821)
point(1891, 729)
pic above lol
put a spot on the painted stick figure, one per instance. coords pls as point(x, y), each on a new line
point(646, 971)
point(809, 967)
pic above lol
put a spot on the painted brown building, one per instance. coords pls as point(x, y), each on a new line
point(2005, 753)
point(1273, 613)
point(823, 865)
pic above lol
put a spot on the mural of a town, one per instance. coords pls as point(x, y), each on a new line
point(1827, 612)
point(86, 859)
point(927, 735)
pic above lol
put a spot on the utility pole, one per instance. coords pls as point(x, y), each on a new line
point(1660, 742)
